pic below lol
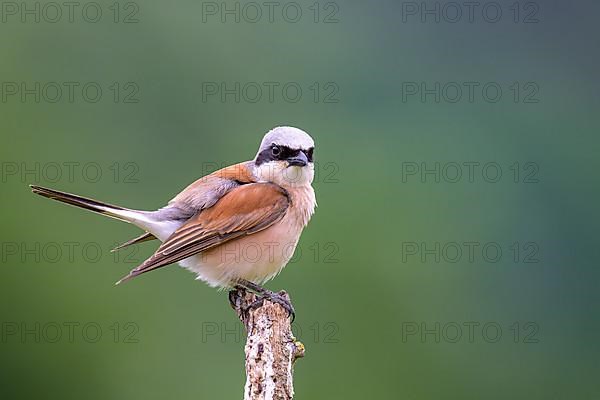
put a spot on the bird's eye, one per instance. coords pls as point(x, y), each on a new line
point(275, 150)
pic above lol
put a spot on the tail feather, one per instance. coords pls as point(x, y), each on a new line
point(140, 239)
point(83, 202)
point(156, 227)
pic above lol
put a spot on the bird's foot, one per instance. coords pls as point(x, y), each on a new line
point(280, 298)
point(235, 295)
point(262, 294)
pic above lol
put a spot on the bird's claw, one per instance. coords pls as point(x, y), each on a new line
point(262, 294)
point(280, 298)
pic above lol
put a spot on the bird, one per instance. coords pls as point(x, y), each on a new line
point(235, 228)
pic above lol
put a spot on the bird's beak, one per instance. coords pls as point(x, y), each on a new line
point(299, 160)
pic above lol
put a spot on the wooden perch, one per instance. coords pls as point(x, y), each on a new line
point(271, 348)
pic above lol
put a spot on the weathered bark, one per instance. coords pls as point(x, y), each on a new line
point(271, 348)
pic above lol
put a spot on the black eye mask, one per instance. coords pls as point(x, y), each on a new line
point(281, 153)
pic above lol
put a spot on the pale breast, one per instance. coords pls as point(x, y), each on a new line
point(260, 256)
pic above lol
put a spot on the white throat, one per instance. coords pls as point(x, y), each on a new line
point(280, 173)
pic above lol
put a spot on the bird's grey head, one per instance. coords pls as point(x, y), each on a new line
point(285, 156)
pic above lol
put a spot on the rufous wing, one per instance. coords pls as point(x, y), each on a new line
point(242, 211)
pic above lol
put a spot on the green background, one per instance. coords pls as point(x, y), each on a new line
point(357, 291)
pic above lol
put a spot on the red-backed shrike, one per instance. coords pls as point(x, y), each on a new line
point(238, 226)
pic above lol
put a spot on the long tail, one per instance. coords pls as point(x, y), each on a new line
point(138, 218)
point(99, 207)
